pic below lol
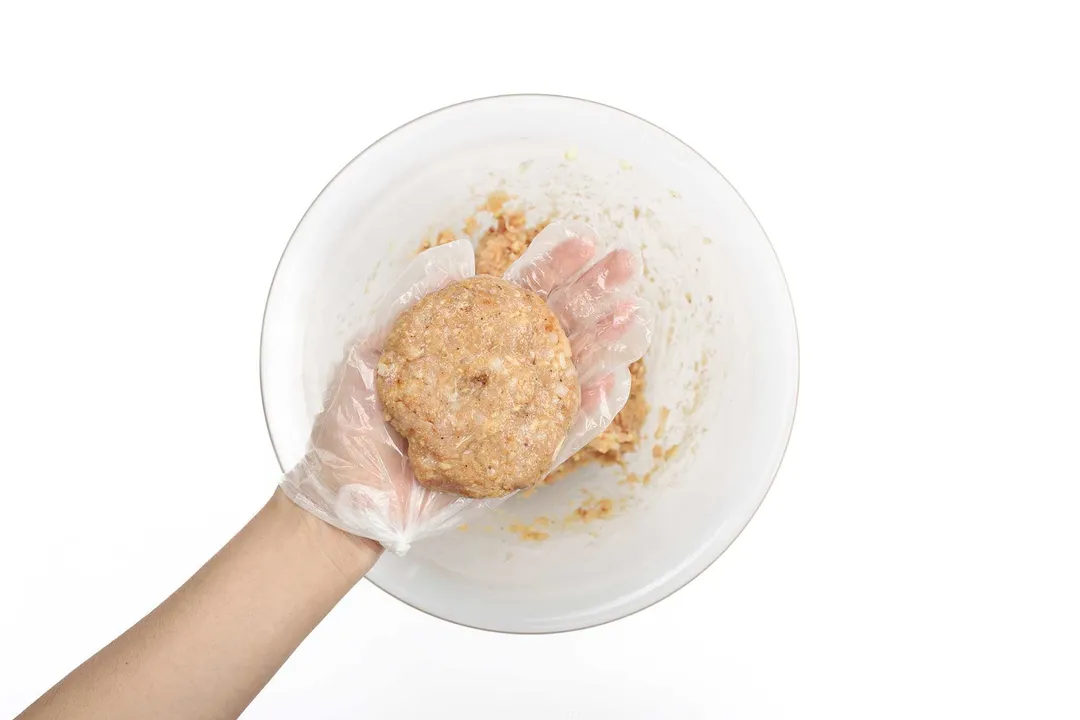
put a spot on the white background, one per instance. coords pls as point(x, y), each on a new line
point(917, 166)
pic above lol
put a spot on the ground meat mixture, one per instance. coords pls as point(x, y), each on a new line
point(478, 378)
point(496, 250)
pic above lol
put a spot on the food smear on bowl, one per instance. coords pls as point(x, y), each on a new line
point(535, 531)
point(592, 508)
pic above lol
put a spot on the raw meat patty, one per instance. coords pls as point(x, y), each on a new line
point(478, 378)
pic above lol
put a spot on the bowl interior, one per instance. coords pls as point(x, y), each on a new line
point(721, 375)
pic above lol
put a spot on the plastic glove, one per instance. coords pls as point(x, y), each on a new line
point(356, 475)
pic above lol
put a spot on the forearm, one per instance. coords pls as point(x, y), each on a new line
point(210, 647)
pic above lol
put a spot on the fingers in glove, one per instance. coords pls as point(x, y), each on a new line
point(627, 311)
point(554, 257)
point(592, 396)
point(583, 299)
point(601, 401)
point(606, 329)
point(616, 346)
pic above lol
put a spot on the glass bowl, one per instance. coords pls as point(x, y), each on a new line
point(721, 376)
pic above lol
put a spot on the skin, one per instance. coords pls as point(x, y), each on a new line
point(205, 652)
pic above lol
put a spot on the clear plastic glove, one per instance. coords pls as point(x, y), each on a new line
point(356, 475)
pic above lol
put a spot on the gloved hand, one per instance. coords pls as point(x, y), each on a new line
point(356, 475)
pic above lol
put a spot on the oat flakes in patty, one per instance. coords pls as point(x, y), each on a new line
point(478, 378)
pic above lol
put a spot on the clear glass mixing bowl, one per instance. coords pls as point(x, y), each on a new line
point(722, 373)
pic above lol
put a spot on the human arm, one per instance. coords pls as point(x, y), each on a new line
point(209, 648)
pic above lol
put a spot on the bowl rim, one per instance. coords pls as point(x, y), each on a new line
point(790, 303)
